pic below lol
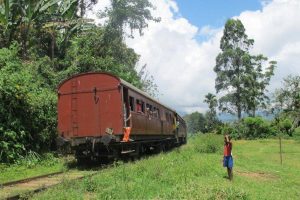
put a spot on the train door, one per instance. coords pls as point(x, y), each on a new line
point(126, 109)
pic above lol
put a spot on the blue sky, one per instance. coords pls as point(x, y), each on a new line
point(214, 12)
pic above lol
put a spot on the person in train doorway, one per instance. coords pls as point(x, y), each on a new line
point(127, 123)
point(228, 159)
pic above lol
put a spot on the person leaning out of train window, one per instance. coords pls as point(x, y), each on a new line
point(177, 125)
point(139, 106)
point(129, 118)
point(148, 112)
point(126, 119)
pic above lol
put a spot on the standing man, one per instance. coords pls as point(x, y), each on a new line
point(228, 160)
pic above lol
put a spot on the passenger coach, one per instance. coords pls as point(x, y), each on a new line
point(101, 115)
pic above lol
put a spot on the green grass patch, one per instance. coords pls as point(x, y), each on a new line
point(31, 166)
point(195, 171)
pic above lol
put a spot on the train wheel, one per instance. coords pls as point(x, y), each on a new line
point(84, 160)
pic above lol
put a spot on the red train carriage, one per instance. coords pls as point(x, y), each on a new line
point(101, 115)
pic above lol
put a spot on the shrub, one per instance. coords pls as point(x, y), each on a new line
point(208, 143)
point(249, 128)
point(27, 109)
point(257, 127)
point(285, 126)
point(235, 130)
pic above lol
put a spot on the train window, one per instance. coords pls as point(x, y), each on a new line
point(131, 103)
point(138, 106)
point(155, 112)
point(149, 107)
point(143, 107)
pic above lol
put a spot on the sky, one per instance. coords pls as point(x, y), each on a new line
point(214, 12)
point(180, 50)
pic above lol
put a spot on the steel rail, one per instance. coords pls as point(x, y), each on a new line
point(42, 188)
point(28, 179)
point(19, 196)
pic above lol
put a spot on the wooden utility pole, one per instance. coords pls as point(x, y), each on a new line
point(280, 150)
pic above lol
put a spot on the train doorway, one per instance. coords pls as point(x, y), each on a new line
point(126, 108)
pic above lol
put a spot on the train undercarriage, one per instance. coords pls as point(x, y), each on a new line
point(94, 149)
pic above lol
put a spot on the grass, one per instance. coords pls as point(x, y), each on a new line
point(195, 171)
point(31, 166)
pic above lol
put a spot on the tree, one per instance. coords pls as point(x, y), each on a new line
point(195, 122)
point(231, 66)
point(256, 82)
point(211, 115)
point(83, 5)
point(287, 100)
point(239, 72)
point(212, 102)
point(147, 81)
point(27, 21)
point(132, 14)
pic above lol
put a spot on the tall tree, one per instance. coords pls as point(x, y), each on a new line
point(83, 5)
point(240, 75)
point(256, 83)
point(132, 14)
point(230, 66)
point(147, 82)
point(211, 115)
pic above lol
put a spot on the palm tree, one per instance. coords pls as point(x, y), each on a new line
point(18, 18)
point(212, 101)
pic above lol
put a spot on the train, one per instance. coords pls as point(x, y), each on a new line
point(102, 116)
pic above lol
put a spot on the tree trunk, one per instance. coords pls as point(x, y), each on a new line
point(24, 43)
point(239, 111)
point(82, 8)
point(52, 46)
point(254, 111)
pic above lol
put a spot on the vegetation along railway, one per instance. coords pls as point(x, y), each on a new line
point(102, 116)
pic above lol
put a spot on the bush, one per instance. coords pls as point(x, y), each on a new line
point(208, 143)
point(257, 127)
point(296, 134)
point(27, 109)
point(249, 128)
point(285, 126)
point(235, 130)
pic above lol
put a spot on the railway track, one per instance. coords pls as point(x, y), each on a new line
point(26, 187)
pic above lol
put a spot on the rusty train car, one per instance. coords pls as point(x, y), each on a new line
point(101, 115)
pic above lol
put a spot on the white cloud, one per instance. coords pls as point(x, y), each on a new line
point(276, 31)
point(183, 66)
